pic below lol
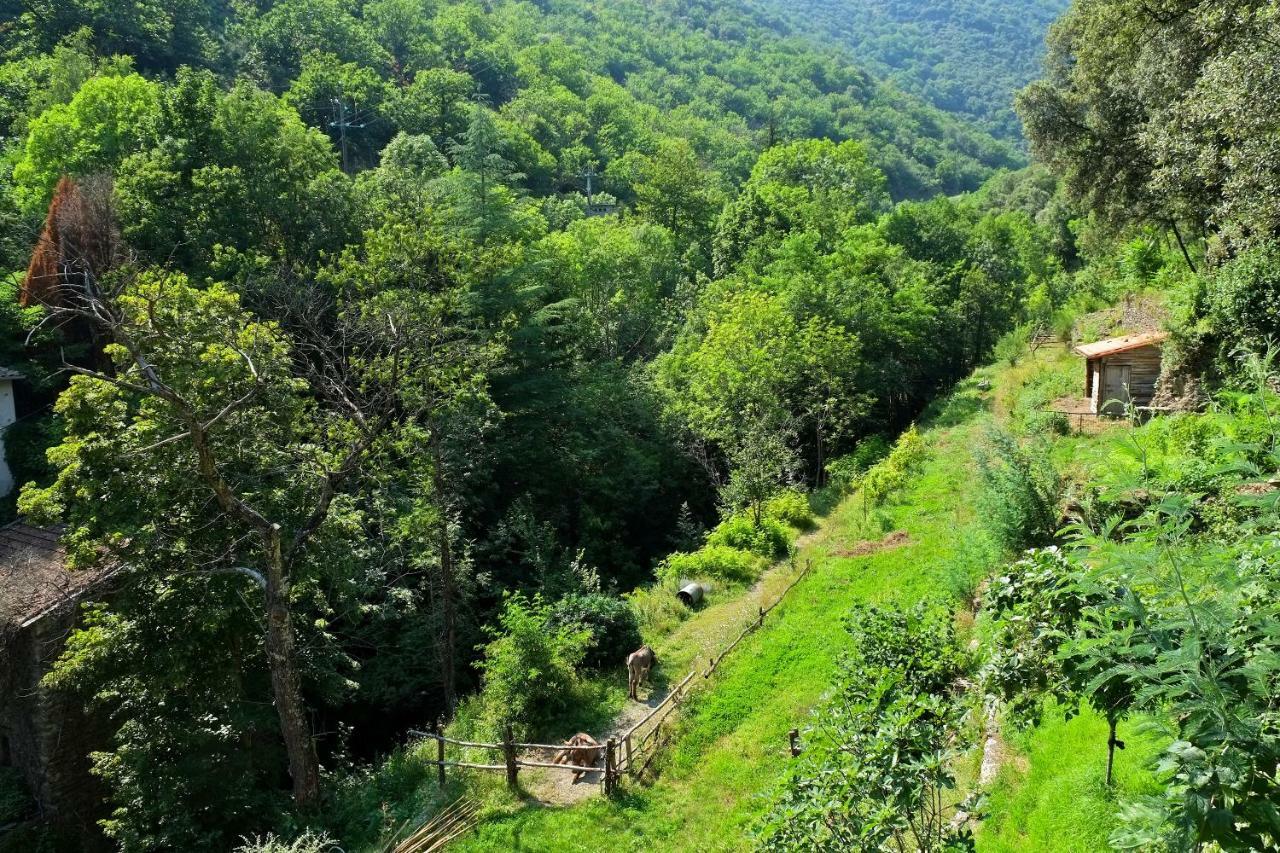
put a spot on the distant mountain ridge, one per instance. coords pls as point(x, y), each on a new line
point(964, 56)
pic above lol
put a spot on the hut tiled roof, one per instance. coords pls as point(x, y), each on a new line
point(34, 579)
point(1113, 346)
point(9, 373)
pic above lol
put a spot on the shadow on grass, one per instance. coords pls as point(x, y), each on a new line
point(824, 501)
point(959, 407)
point(596, 702)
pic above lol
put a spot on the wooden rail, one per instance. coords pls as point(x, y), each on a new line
point(656, 708)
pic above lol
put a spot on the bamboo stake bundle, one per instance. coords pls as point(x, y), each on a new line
point(445, 827)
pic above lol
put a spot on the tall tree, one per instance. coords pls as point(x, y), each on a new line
point(204, 402)
point(1156, 113)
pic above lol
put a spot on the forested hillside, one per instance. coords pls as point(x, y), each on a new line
point(964, 56)
point(398, 361)
point(361, 379)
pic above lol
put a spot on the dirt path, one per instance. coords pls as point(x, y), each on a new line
point(688, 646)
point(556, 787)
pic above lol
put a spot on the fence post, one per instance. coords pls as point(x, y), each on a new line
point(509, 753)
point(610, 766)
point(760, 624)
point(631, 767)
point(794, 734)
point(439, 731)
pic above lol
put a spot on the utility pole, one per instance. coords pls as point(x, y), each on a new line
point(589, 174)
point(343, 125)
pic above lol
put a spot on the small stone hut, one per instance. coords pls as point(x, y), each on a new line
point(1122, 369)
point(47, 735)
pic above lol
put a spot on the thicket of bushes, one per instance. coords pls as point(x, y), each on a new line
point(844, 472)
point(769, 538)
point(719, 562)
point(878, 752)
point(529, 669)
point(610, 622)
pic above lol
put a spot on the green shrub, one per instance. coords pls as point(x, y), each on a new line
point(529, 668)
point(1033, 607)
point(878, 752)
point(1244, 297)
point(610, 621)
point(307, 842)
point(770, 538)
point(792, 508)
point(870, 450)
point(964, 570)
point(1020, 491)
point(892, 473)
point(845, 471)
point(657, 608)
point(1047, 423)
point(715, 561)
point(1012, 346)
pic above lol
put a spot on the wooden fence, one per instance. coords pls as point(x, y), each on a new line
point(510, 751)
point(632, 754)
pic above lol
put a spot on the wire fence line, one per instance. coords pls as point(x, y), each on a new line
point(631, 754)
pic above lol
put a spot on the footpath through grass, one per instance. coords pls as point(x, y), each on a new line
point(733, 744)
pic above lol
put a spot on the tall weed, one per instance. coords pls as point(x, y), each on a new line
point(1020, 490)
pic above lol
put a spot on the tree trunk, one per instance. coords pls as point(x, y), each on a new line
point(448, 585)
point(820, 477)
point(1186, 256)
point(282, 656)
point(1111, 748)
point(286, 682)
point(449, 614)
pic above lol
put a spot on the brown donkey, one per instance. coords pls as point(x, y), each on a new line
point(639, 663)
point(581, 750)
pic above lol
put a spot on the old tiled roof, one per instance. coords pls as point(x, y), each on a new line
point(9, 373)
point(1112, 346)
point(34, 580)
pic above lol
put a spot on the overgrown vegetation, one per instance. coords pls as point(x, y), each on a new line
point(422, 347)
point(529, 669)
point(877, 767)
point(1020, 492)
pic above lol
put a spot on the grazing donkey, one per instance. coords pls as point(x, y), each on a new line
point(581, 750)
point(639, 663)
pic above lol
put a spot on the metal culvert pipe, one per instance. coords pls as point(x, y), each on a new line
point(691, 594)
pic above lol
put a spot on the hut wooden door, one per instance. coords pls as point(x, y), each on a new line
point(1115, 386)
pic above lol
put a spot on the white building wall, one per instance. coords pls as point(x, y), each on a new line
point(8, 414)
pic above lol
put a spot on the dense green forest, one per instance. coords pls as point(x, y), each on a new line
point(967, 57)
point(384, 416)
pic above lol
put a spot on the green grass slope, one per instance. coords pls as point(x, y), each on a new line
point(733, 745)
point(1051, 794)
point(731, 748)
